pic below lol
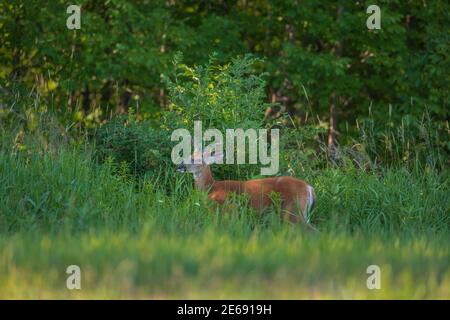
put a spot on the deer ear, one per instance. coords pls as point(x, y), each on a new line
point(213, 156)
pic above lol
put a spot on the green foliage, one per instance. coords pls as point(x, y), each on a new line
point(132, 239)
point(409, 142)
point(312, 51)
point(221, 96)
point(137, 146)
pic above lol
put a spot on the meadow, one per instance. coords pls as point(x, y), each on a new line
point(134, 239)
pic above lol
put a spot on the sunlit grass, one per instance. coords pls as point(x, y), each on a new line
point(138, 240)
point(213, 265)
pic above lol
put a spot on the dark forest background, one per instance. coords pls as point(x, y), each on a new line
point(322, 69)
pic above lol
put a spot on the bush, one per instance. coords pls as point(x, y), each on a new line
point(136, 146)
point(222, 97)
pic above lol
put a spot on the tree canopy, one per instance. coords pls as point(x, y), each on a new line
point(319, 57)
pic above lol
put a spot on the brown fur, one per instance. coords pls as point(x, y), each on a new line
point(293, 193)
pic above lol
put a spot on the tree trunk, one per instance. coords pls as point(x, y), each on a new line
point(332, 134)
point(162, 92)
point(70, 99)
point(17, 69)
point(124, 98)
point(106, 94)
point(86, 101)
point(281, 95)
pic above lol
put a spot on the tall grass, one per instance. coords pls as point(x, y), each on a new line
point(132, 238)
point(154, 236)
point(48, 192)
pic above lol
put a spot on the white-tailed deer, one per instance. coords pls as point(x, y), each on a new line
point(297, 197)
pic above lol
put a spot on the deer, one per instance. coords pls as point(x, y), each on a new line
point(297, 196)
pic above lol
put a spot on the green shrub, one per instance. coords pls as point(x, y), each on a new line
point(222, 97)
point(136, 146)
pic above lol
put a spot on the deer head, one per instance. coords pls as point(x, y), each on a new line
point(198, 165)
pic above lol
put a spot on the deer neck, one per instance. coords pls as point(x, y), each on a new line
point(203, 179)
